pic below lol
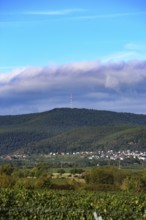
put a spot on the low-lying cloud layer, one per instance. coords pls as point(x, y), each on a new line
point(109, 86)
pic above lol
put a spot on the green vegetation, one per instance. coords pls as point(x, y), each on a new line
point(60, 186)
point(98, 178)
point(54, 205)
point(113, 179)
point(37, 193)
point(68, 130)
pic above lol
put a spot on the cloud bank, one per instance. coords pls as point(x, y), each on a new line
point(109, 86)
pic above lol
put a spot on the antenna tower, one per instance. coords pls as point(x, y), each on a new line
point(71, 101)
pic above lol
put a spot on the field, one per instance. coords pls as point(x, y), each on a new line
point(61, 205)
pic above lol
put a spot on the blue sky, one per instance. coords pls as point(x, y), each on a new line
point(40, 41)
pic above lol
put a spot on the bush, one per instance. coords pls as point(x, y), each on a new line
point(61, 171)
point(43, 183)
point(25, 183)
point(7, 181)
point(77, 171)
point(99, 176)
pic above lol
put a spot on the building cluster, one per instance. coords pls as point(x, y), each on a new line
point(110, 154)
point(120, 155)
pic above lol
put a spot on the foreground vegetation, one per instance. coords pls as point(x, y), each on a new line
point(62, 205)
point(95, 179)
point(37, 193)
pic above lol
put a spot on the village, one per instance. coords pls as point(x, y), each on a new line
point(100, 154)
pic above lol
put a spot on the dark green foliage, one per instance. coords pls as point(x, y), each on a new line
point(76, 171)
point(61, 171)
point(54, 205)
point(43, 183)
point(67, 130)
point(6, 169)
point(114, 179)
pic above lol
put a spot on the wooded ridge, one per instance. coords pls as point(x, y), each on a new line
point(68, 130)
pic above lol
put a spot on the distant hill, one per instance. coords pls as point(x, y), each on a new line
point(67, 129)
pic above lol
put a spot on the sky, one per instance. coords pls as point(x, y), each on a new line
point(94, 51)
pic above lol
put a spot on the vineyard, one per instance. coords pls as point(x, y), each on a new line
point(61, 205)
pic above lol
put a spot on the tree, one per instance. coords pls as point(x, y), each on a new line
point(61, 171)
point(6, 169)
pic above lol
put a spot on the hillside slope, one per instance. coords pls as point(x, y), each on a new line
point(71, 129)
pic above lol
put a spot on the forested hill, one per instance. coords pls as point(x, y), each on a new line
point(69, 129)
point(74, 117)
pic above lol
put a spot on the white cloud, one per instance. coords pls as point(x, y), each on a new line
point(56, 12)
point(118, 86)
point(123, 55)
point(107, 16)
point(135, 46)
point(131, 51)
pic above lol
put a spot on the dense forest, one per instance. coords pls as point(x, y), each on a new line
point(68, 130)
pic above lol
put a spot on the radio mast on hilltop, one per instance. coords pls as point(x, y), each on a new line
point(71, 101)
